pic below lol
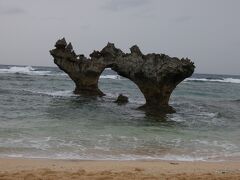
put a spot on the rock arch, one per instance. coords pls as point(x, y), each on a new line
point(156, 75)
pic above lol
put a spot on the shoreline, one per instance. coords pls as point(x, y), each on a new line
point(23, 168)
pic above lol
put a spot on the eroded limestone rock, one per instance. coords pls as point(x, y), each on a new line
point(156, 75)
point(122, 99)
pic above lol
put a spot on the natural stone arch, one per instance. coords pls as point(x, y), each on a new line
point(119, 87)
point(156, 75)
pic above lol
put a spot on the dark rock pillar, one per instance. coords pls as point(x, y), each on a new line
point(84, 72)
point(156, 75)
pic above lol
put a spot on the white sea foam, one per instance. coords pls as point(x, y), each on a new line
point(224, 80)
point(121, 157)
point(182, 158)
point(59, 93)
point(208, 114)
point(24, 70)
point(110, 77)
point(54, 93)
point(177, 118)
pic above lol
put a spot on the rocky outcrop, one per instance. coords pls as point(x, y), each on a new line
point(156, 75)
point(121, 99)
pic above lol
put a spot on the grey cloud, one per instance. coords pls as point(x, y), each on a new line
point(205, 31)
point(182, 19)
point(11, 11)
point(117, 5)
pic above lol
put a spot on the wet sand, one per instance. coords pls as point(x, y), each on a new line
point(44, 169)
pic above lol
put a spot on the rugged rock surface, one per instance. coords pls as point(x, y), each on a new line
point(121, 99)
point(156, 75)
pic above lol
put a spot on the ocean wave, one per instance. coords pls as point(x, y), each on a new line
point(28, 70)
point(224, 80)
point(72, 149)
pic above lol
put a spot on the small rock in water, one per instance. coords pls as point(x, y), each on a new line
point(122, 99)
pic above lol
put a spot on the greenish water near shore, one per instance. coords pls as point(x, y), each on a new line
point(41, 117)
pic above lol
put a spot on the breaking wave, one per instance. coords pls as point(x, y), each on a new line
point(29, 70)
point(25, 70)
point(224, 80)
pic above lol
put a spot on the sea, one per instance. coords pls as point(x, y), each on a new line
point(40, 117)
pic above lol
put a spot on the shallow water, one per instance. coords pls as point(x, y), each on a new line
point(41, 117)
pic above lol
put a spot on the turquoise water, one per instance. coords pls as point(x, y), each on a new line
point(40, 117)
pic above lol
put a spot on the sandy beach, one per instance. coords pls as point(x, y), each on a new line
point(28, 169)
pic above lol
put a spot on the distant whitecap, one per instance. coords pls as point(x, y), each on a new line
point(224, 80)
point(28, 70)
point(110, 77)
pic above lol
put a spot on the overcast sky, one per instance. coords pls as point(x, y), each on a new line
point(206, 31)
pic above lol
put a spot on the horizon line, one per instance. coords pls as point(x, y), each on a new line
point(57, 67)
